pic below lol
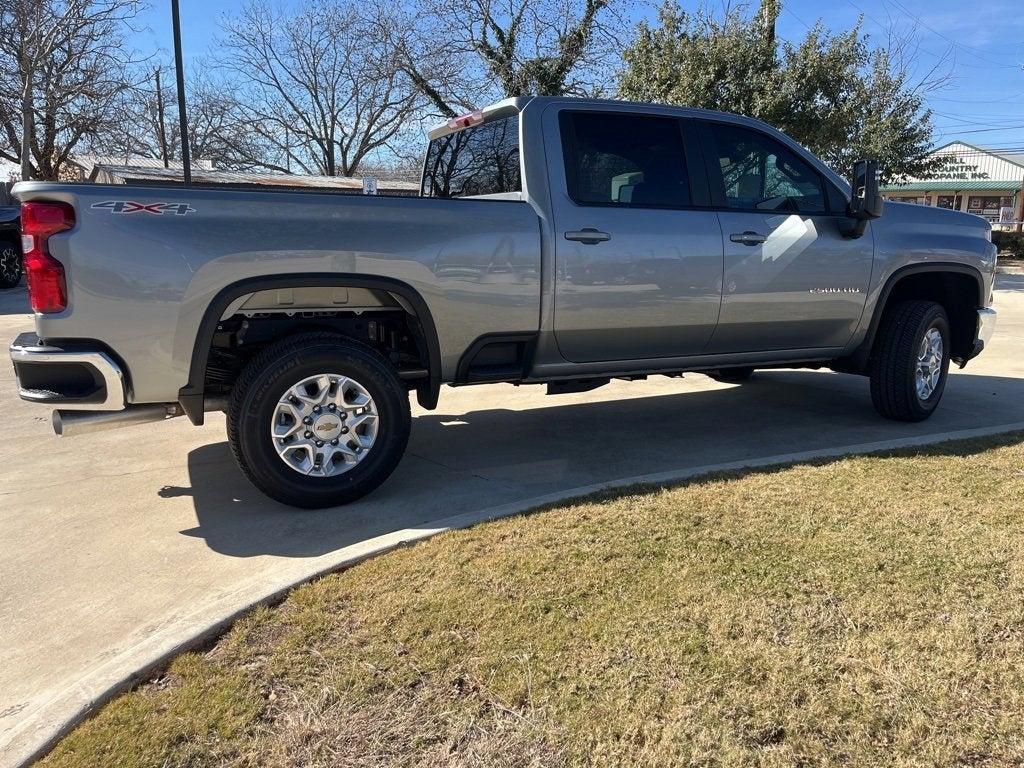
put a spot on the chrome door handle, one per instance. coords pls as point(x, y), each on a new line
point(588, 236)
point(748, 238)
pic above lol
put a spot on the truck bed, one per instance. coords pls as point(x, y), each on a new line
point(149, 261)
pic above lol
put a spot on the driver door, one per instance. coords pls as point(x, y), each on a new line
point(792, 280)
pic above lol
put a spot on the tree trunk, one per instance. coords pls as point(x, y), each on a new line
point(160, 118)
point(27, 127)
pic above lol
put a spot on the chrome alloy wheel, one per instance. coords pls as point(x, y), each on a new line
point(324, 425)
point(928, 372)
point(10, 264)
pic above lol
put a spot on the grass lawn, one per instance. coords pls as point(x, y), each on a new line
point(859, 612)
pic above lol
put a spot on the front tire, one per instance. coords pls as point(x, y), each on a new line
point(10, 264)
point(318, 420)
point(910, 369)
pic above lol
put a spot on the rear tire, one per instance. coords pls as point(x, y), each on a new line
point(10, 264)
point(731, 375)
point(313, 464)
point(911, 365)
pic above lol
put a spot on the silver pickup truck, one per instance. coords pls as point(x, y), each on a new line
point(555, 240)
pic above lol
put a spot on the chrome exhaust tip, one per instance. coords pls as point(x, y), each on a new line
point(73, 423)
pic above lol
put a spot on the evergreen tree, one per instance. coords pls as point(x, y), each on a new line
point(831, 92)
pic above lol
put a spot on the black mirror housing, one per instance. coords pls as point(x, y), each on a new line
point(866, 202)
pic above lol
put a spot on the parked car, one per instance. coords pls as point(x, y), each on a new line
point(10, 246)
point(718, 244)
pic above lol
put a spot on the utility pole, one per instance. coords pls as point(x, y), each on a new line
point(180, 71)
point(160, 117)
point(1020, 208)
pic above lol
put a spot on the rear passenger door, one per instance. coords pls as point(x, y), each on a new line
point(638, 263)
point(792, 280)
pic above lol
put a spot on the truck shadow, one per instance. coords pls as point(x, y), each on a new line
point(464, 462)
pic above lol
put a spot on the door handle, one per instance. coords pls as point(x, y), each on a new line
point(588, 236)
point(748, 238)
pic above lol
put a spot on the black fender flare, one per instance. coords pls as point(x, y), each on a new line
point(859, 358)
point(192, 396)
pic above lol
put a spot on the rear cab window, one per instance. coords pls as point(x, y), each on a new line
point(482, 160)
point(626, 160)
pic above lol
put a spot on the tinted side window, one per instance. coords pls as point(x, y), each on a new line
point(760, 174)
point(483, 160)
point(616, 159)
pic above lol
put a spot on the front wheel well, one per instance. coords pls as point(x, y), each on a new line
point(959, 294)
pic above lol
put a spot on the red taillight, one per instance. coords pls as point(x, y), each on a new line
point(47, 289)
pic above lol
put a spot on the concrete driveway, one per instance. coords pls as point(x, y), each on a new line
point(119, 547)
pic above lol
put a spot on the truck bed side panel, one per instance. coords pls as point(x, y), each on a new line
point(141, 281)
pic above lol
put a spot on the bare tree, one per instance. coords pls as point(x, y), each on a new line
point(63, 65)
point(161, 114)
point(220, 129)
point(462, 52)
point(141, 127)
point(316, 84)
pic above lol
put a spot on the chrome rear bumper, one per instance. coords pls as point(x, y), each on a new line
point(70, 379)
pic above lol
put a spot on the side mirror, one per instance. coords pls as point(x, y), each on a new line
point(866, 202)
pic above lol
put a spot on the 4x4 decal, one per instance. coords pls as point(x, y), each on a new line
point(130, 206)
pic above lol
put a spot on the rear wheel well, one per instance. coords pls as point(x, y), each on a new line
point(959, 294)
point(392, 332)
point(246, 317)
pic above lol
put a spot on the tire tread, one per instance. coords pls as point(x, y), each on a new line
point(891, 395)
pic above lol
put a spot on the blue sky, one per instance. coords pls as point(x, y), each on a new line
point(979, 44)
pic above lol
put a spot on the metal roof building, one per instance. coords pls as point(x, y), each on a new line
point(146, 170)
point(981, 181)
point(84, 167)
point(151, 171)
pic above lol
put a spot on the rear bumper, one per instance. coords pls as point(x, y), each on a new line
point(984, 330)
point(72, 377)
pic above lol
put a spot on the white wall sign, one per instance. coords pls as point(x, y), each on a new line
point(963, 162)
point(369, 185)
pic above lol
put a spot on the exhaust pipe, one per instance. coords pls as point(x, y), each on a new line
point(73, 423)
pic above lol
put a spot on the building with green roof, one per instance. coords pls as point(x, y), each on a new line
point(985, 182)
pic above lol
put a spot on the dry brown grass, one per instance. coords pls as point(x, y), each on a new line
point(861, 612)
